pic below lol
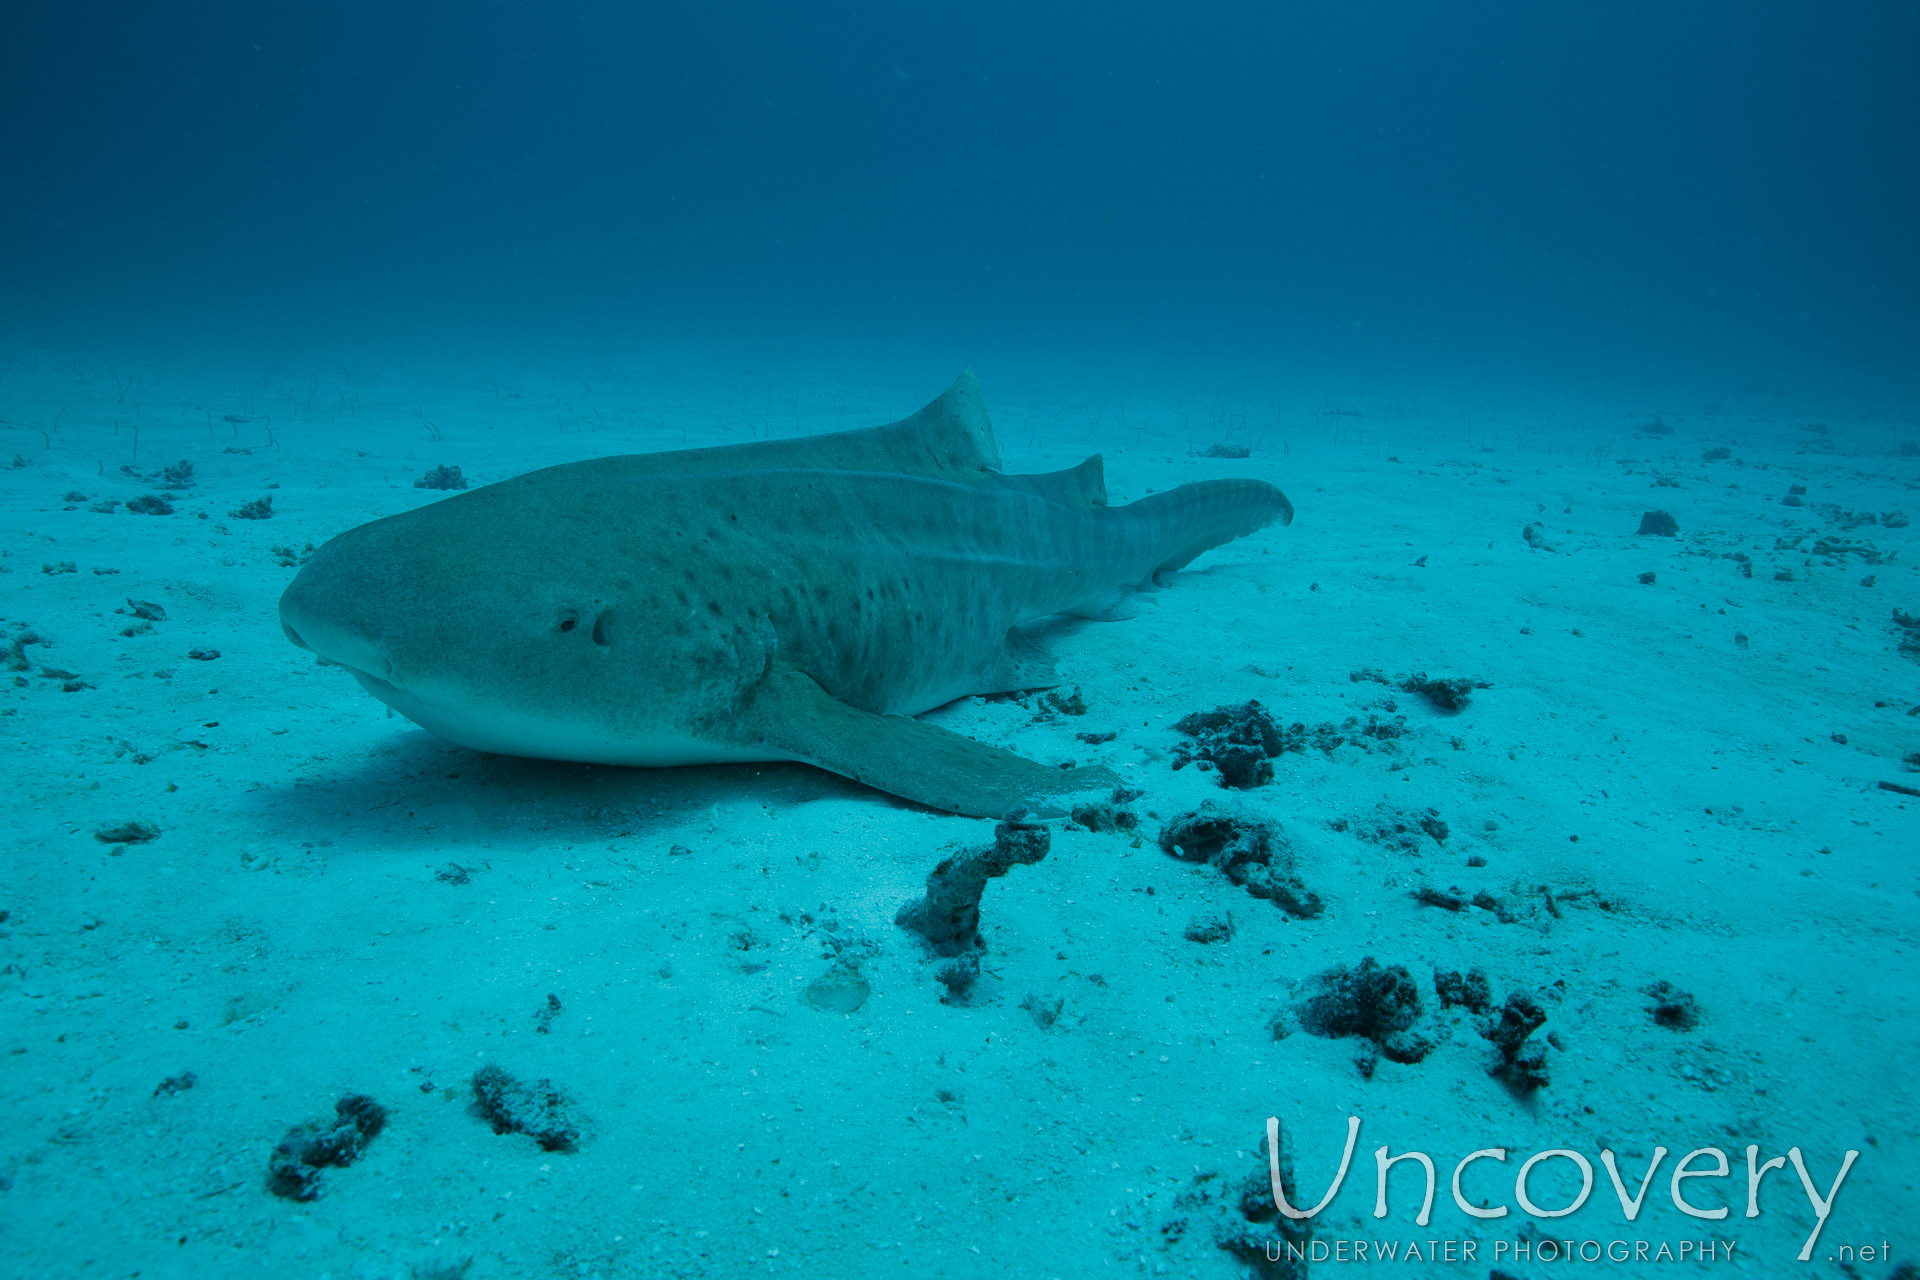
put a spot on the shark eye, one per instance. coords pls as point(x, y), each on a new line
point(569, 620)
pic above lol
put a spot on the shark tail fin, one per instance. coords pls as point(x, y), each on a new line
point(1199, 517)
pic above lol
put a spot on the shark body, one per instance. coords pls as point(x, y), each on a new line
point(785, 600)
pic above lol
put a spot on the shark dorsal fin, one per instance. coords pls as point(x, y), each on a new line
point(950, 438)
point(1083, 487)
point(1086, 484)
point(950, 434)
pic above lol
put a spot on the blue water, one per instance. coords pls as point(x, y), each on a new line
point(1484, 288)
point(1621, 194)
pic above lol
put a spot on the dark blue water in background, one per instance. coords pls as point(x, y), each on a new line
point(1715, 194)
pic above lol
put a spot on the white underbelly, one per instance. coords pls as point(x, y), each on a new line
point(509, 733)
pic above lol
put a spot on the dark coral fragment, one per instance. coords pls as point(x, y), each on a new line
point(1671, 1007)
point(1522, 1061)
point(1376, 1003)
point(1069, 703)
point(1111, 814)
point(1659, 523)
point(1395, 828)
point(1253, 854)
point(1251, 1227)
point(1106, 816)
point(538, 1110)
point(1210, 928)
point(1908, 625)
point(1470, 989)
point(958, 976)
point(1452, 899)
point(441, 477)
point(293, 1172)
point(1448, 694)
point(948, 917)
point(1236, 742)
point(131, 832)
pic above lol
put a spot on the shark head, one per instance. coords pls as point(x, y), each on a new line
point(505, 628)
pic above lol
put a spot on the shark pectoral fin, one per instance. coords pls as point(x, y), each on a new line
point(904, 757)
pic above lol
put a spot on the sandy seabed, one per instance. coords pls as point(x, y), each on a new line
point(1675, 780)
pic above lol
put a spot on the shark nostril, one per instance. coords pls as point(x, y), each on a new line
point(295, 637)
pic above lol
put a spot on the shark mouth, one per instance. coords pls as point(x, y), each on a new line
point(334, 647)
